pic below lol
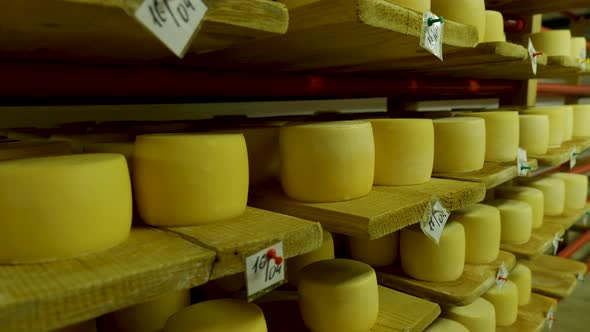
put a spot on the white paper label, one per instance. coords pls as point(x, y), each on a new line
point(434, 226)
point(174, 22)
point(502, 276)
point(573, 157)
point(550, 318)
point(265, 269)
point(431, 37)
point(533, 57)
point(522, 163)
point(556, 240)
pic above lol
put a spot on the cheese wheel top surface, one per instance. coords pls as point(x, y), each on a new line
point(336, 272)
point(553, 42)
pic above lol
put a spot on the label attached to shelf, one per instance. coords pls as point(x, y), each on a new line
point(533, 56)
point(556, 240)
point(573, 157)
point(522, 162)
point(265, 271)
point(433, 227)
point(174, 22)
point(550, 318)
point(431, 37)
point(502, 276)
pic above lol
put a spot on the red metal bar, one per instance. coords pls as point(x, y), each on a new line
point(568, 251)
point(581, 169)
point(554, 89)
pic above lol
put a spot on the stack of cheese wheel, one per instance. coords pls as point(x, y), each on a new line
point(534, 197)
point(417, 5)
point(127, 149)
point(378, 252)
point(581, 120)
point(505, 301)
point(87, 326)
point(404, 151)
point(422, 259)
point(327, 162)
point(469, 12)
point(35, 148)
point(553, 194)
point(332, 291)
point(556, 116)
point(534, 133)
point(494, 31)
point(522, 278)
point(576, 190)
point(568, 123)
point(459, 144)
point(446, 325)
point(75, 205)
point(502, 134)
point(478, 316)
point(190, 179)
point(482, 232)
point(517, 220)
point(295, 264)
point(553, 43)
point(578, 48)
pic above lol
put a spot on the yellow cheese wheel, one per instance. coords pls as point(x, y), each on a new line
point(378, 252)
point(64, 206)
point(190, 179)
point(327, 162)
point(422, 259)
point(338, 295)
point(521, 276)
point(534, 133)
point(417, 5)
point(534, 197)
point(517, 220)
point(505, 302)
point(469, 12)
point(295, 264)
point(482, 232)
point(87, 326)
point(576, 190)
point(553, 193)
point(127, 149)
point(502, 134)
point(578, 48)
point(556, 117)
point(404, 151)
point(494, 27)
point(218, 316)
point(459, 144)
point(446, 325)
point(478, 316)
point(568, 123)
point(581, 120)
point(553, 42)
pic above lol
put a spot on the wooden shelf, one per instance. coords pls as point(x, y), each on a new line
point(532, 316)
point(529, 7)
point(541, 241)
point(382, 212)
point(553, 283)
point(567, 219)
point(559, 155)
point(557, 264)
point(559, 66)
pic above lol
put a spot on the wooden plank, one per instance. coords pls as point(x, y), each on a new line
point(553, 283)
point(532, 316)
point(253, 231)
point(559, 155)
point(557, 264)
point(475, 281)
point(567, 219)
point(383, 211)
point(491, 175)
point(534, 7)
point(49, 296)
point(541, 241)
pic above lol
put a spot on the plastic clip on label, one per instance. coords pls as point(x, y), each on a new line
point(265, 270)
point(502, 276)
point(533, 55)
point(573, 157)
point(556, 240)
point(522, 163)
point(550, 318)
point(431, 37)
point(433, 227)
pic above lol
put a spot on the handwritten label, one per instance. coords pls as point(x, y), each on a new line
point(434, 226)
point(265, 270)
point(432, 34)
point(501, 276)
point(556, 240)
point(522, 163)
point(550, 318)
point(573, 157)
point(174, 22)
point(533, 57)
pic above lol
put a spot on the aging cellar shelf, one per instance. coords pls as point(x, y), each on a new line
point(532, 316)
point(559, 155)
point(541, 241)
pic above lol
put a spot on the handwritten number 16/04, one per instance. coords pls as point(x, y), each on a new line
point(161, 10)
point(262, 263)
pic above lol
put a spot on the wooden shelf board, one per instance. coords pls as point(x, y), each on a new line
point(558, 66)
point(556, 264)
point(559, 155)
point(583, 224)
point(150, 263)
point(567, 219)
point(475, 281)
point(553, 283)
point(491, 175)
point(532, 316)
point(530, 7)
point(541, 241)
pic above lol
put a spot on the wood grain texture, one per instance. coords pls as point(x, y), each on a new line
point(553, 283)
point(28, 149)
point(491, 175)
point(534, 7)
point(541, 241)
point(567, 219)
point(49, 296)
point(531, 317)
point(557, 264)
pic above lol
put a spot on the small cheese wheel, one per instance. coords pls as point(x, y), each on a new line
point(190, 179)
point(478, 316)
point(581, 120)
point(505, 302)
point(556, 118)
point(534, 133)
point(216, 316)
point(576, 190)
point(469, 12)
point(517, 220)
point(75, 205)
point(422, 259)
point(327, 162)
point(417, 5)
point(578, 48)
point(295, 264)
point(553, 193)
point(568, 123)
point(502, 134)
point(522, 278)
point(338, 295)
point(404, 151)
point(482, 232)
point(459, 144)
point(378, 252)
point(446, 325)
point(87, 326)
point(127, 149)
point(553, 42)
point(534, 197)
point(494, 27)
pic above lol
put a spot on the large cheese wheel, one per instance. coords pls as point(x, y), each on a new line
point(459, 144)
point(469, 12)
point(216, 316)
point(517, 220)
point(556, 117)
point(534, 197)
point(422, 259)
point(417, 5)
point(534, 133)
point(494, 27)
point(521, 276)
point(338, 295)
point(479, 316)
point(554, 42)
point(63, 206)
point(553, 193)
point(576, 190)
point(327, 162)
point(568, 123)
point(127, 149)
point(87, 326)
point(505, 302)
point(404, 151)
point(190, 179)
point(578, 48)
point(482, 232)
point(502, 134)
point(295, 264)
point(446, 325)
point(379, 252)
point(581, 120)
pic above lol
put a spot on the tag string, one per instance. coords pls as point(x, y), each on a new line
point(537, 53)
point(272, 254)
point(502, 278)
point(431, 20)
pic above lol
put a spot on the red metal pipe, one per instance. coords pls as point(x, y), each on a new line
point(514, 23)
point(568, 251)
point(555, 89)
point(581, 169)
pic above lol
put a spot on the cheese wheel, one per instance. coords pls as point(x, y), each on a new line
point(553, 193)
point(522, 278)
point(578, 48)
point(581, 120)
point(502, 134)
point(216, 316)
point(379, 252)
point(576, 190)
point(338, 295)
point(74, 205)
point(404, 151)
point(190, 179)
point(327, 162)
point(505, 302)
point(469, 12)
point(295, 264)
point(446, 325)
point(459, 144)
point(534, 197)
point(553, 42)
point(127, 149)
point(517, 220)
point(482, 232)
point(494, 31)
point(534, 133)
point(556, 117)
point(478, 316)
point(422, 259)
point(568, 123)
point(417, 5)
point(87, 326)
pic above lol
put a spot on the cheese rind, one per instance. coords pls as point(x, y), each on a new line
point(568, 123)
point(578, 47)
point(446, 325)
point(417, 5)
point(576, 190)
point(517, 220)
point(556, 116)
point(295, 264)
point(459, 144)
point(505, 302)
point(534, 197)
point(502, 134)
point(378, 252)
point(482, 232)
point(522, 277)
point(554, 42)
point(494, 27)
point(553, 194)
point(469, 12)
point(127, 149)
point(581, 120)
point(534, 133)
point(479, 316)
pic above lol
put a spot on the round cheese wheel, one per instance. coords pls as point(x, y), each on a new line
point(74, 205)
point(459, 144)
point(295, 264)
point(87, 326)
point(422, 259)
point(417, 5)
point(517, 220)
point(494, 31)
point(190, 179)
point(216, 316)
point(338, 295)
point(505, 302)
point(379, 252)
point(576, 190)
point(568, 123)
point(534, 197)
point(469, 12)
point(534, 133)
point(404, 151)
point(482, 232)
point(553, 193)
point(581, 120)
point(446, 325)
point(502, 134)
point(327, 162)
point(127, 149)
point(521, 276)
point(556, 117)
point(478, 316)
point(578, 48)
point(553, 42)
